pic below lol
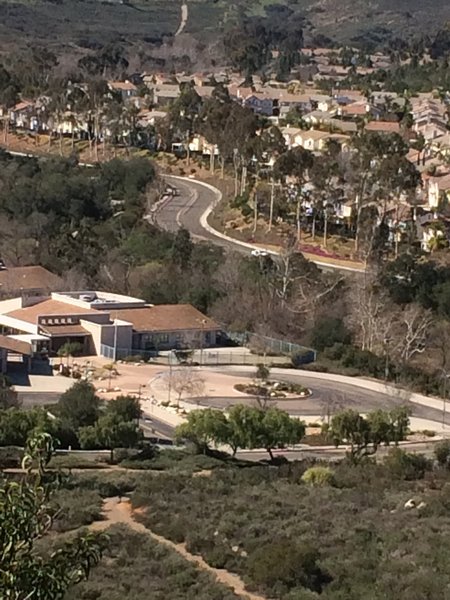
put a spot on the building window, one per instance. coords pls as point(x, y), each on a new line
point(162, 338)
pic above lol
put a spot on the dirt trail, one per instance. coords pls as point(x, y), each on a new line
point(116, 511)
point(184, 18)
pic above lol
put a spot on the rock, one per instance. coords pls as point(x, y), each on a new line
point(410, 504)
point(421, 505)
point(244, 554)
point(235, 548)
point(216, 533)
point(117, 389)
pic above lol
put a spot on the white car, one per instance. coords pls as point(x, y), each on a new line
point(258, 252)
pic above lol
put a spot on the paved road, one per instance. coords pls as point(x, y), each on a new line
point(331, 454)
point(328, 397)
point(186, 211)
point(152, 426)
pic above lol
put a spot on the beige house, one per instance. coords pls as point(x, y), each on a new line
point(313, 140)
point(438, 190)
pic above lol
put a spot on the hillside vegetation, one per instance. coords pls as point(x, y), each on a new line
point(76, 27)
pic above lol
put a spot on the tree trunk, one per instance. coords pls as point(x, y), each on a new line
point(188, 154)
point(255, 211)
point(313, 232)
point(269, 450)
point(73, 139)
point(60, 143)
point(272, 198)
point(243, 179)
point(299, 229)
point(325, 230)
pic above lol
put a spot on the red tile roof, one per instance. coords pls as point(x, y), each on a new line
point(31, 314)
point(28, 278)
point(383, 126)
point(165, 317)
point(17, 346)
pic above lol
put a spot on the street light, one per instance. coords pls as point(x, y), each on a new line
point(445, 376)
point(386, 342)
point(203, 323)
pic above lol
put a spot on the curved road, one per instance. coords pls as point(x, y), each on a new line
point(191, 210)
point(329, 397)
point(188, 209)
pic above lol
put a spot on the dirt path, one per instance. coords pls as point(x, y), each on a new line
point(184, 18)
point(116, 511)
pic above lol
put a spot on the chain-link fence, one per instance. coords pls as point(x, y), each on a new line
point(265, 344)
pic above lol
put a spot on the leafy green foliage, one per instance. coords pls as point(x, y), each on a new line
point(329, 331)
point(318, 476)
point(243, 427)
point(26, 517)
point(442, 453)
point(79, 405)
point(364, 435)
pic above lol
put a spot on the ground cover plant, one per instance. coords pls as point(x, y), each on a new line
point(362, 531)
point(137, 568)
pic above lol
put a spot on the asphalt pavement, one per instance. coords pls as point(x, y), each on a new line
point(187, 209)
point(329, 397)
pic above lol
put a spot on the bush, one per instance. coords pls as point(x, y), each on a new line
point(403, 465)
point(442, 453)
point(366, 362)
point(282, 565)
point(328, 332)
point(262, 372)
point(10, 457)
point(318, 476)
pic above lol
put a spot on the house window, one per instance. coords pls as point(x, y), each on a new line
point(162, 338)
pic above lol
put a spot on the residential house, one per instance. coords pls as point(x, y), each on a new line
point(357, 109)
point(22, 115)
point(165, 93)
point(312, 140)
point(437, 190)
point(383, 126)
point(105, 324)
point(126, 89)
point(150, 117)
point(260, 104)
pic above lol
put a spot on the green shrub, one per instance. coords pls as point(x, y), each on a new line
point(403, 465)
point(442, 453)
point(329, 331)
point(283, 565)
point(318, 476)
point(10, 457)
